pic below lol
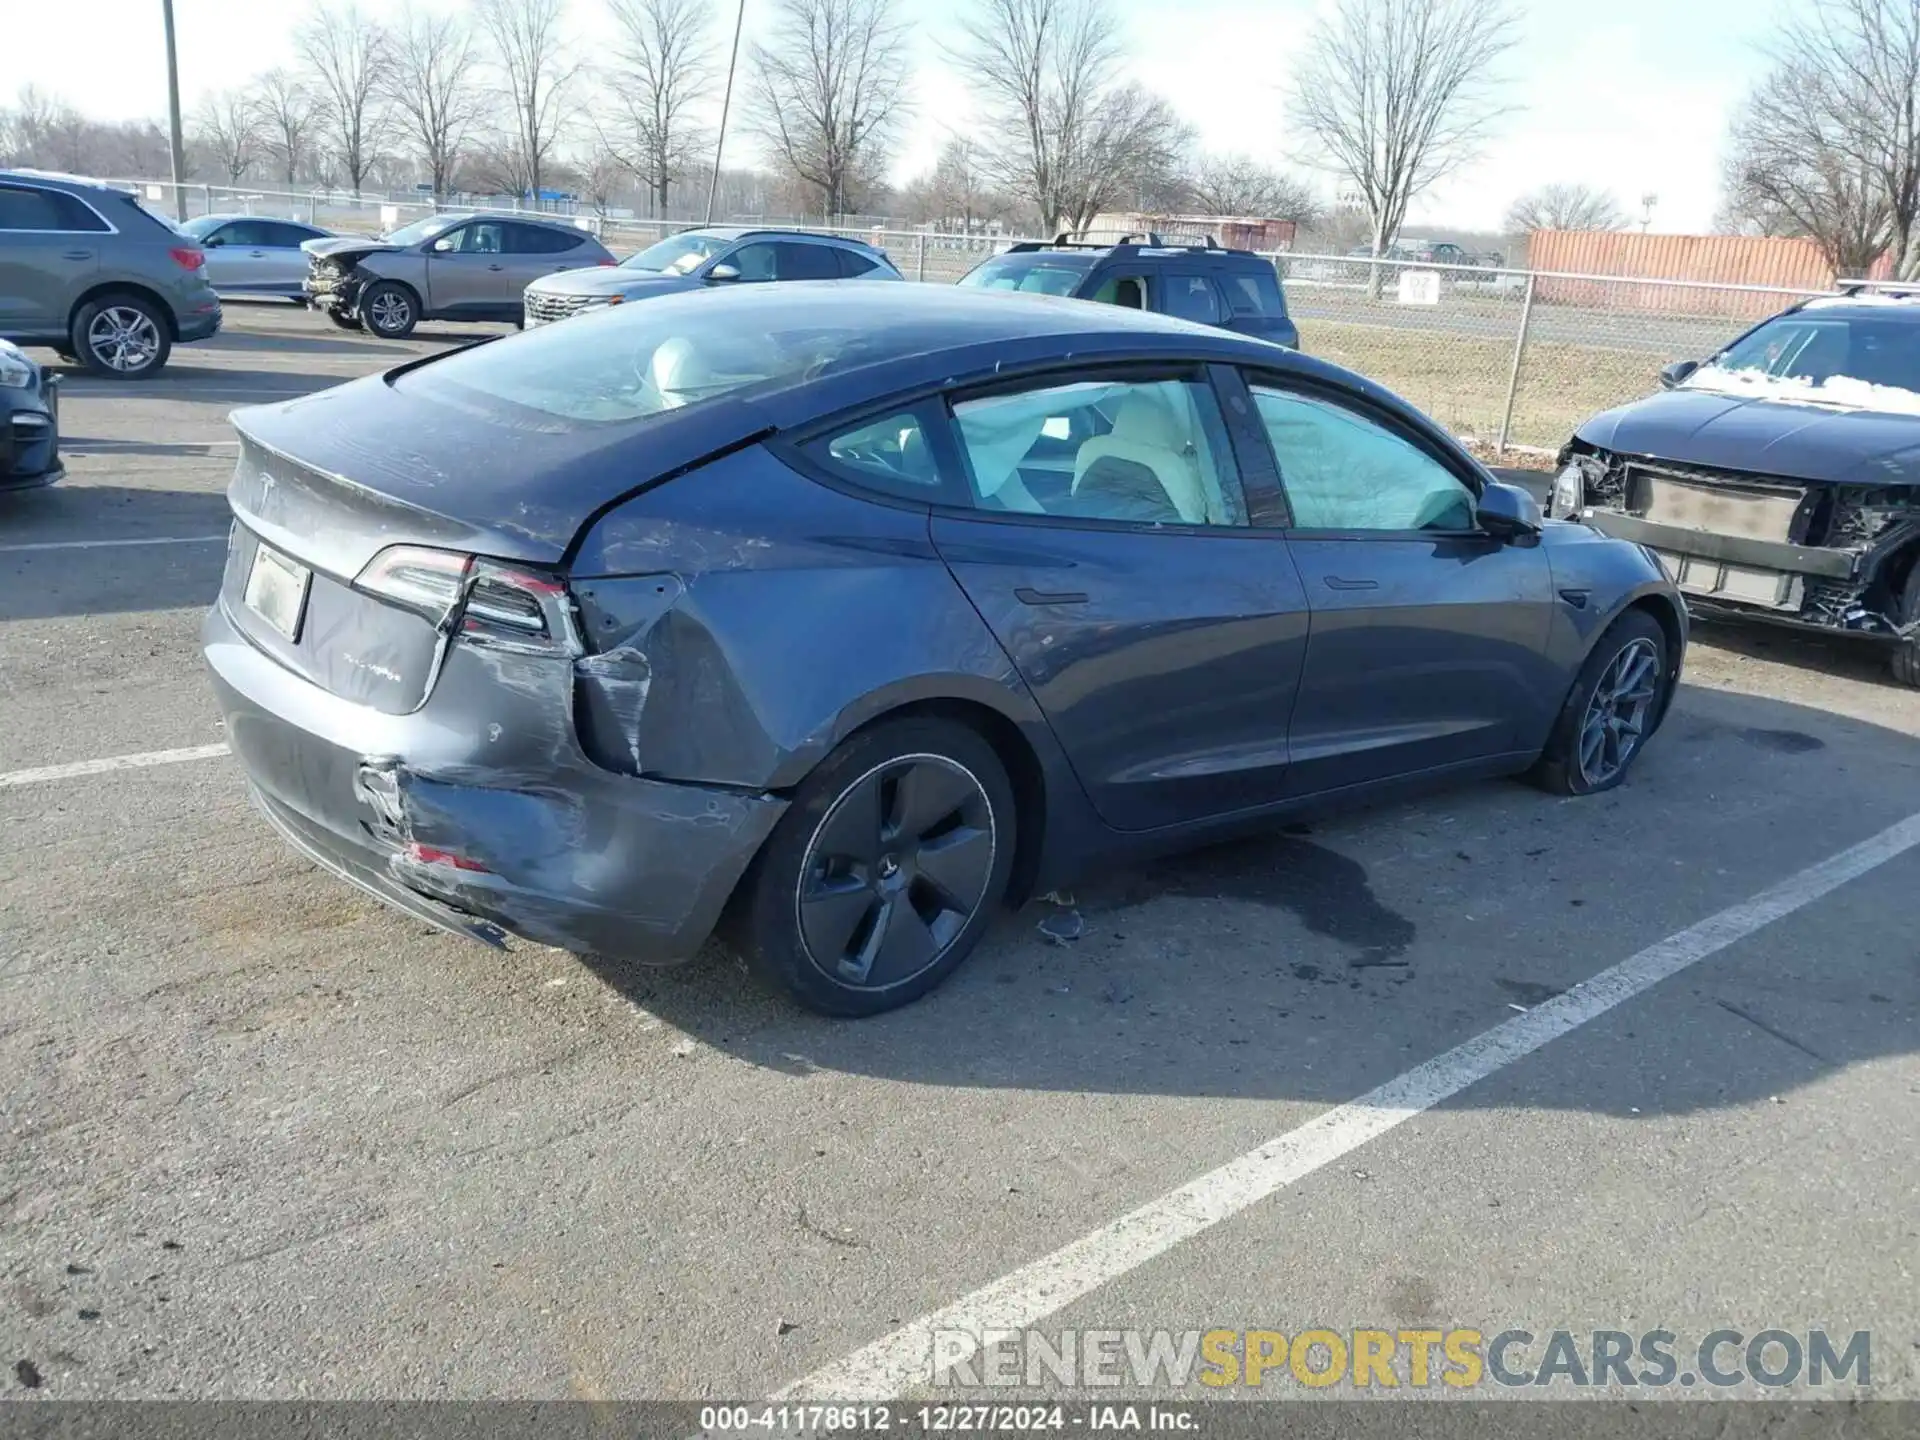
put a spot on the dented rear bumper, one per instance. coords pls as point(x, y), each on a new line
point(550, 846)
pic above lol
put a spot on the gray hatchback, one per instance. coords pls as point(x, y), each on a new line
point(88, 271)
point(714, 256)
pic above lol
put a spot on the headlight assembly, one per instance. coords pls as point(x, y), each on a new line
point(16, 371)
point(1569, 492)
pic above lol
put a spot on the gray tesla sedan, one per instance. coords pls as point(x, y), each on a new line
point(836, 615)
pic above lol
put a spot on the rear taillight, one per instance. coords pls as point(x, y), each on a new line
point(485, 598)
point(604, 263)
point(187, 257)
point(428, 581)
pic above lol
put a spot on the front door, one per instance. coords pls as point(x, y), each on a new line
point(1427, 639)
point(467, 271)
point(1108, 548)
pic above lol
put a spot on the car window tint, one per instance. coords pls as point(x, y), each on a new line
point(1146, 452)
point(852, 263)
point(482, 237)
point(1191, 297)
point(754, 262)
point(1342, 471)
point(26, 209)
point(887, 454)
point(292, 237)
point(538, 240)
point(795, 261)
point(1127, 291)
point(245, 233)
point(1254, 293)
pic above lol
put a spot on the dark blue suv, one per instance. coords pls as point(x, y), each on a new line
point(1206, 283)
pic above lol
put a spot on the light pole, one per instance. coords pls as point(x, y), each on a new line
point(173, 114)
point(726, 103)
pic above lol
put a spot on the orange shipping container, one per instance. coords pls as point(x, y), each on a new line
point(1774, 262)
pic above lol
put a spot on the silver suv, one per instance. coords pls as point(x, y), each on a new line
point(86, 270)
point(446, 267)
point(714, 256)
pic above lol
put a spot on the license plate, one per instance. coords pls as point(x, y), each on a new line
point(277, 590)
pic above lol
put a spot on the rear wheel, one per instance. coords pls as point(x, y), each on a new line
point(389, 310)
point(1905, 660)
point(1612, 708)
point(886, 870)
point(121, 336)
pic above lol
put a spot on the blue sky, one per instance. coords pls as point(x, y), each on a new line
point(1630, 95)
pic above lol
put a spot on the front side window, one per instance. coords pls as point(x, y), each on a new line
point(756, 263)
point(419, 231)
point(1191, 297)
point(1129, 292)
point(245, 234)
point(1146, 452)
point(482, 237)
point(1342, 471)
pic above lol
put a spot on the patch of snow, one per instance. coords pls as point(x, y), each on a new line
point(1839, 391)
point(1901, 298)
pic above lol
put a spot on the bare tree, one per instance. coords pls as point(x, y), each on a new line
point(662, 76)
point(601, 179)
point(1237, 185)
point(529, 48)
point(286, 118)
point(349, 54)
point(1828, 143)
point(959, 187)
point(829, 87)
point(433, 89)
point(1565, 207)
point(226, 128)
point(1400, 93)
point(1070, 138)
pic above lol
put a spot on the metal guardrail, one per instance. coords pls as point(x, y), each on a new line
point(1507, 358)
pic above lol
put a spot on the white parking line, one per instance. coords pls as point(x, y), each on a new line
point(78, 768)
point(113, 544)
point(894, 1364)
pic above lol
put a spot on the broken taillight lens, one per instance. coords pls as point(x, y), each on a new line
point(486, 598)
point(510, 601)
point(421, 579)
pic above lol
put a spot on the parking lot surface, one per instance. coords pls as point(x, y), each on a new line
point(266, 1138)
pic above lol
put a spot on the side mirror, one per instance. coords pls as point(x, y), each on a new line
point(1672, 375)
point(441, 247)
point(723, 272)
point(213, 240)
point(1510, 513)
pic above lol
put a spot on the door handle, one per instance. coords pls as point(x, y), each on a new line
point(1335, 582)
point(496, 267)
point(77, 255)
point(1026, 595)
point(256, 254)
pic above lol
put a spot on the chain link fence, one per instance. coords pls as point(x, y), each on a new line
point(1508, 360)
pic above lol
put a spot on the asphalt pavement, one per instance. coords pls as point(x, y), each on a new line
point(265, 1138)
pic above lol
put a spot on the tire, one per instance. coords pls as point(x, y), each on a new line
point(1595, 740)
point(121, 337)
point(1904, 662)
point(389, 310)
point(844, 882)
point(344, 321)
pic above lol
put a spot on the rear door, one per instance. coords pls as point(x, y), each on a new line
point(1106, 543)
point(49, 253)
point(536, 250)
point(1428, 634)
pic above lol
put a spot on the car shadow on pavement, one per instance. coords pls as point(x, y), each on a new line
point(1851, 657)
point(341, 342)
point(1319, 960)
point(83, 576)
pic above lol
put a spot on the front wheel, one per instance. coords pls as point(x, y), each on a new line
point(389, 311)
point(885, 871)
point(122, 337)
point(1612, 708)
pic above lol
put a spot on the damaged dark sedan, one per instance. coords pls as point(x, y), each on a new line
point(1779, 481)
point(831, 616)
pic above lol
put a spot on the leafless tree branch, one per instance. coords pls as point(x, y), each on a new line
point(1565, 207)
point(664, 74)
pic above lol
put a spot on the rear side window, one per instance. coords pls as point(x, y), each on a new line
point(889, 454)
point(794, 261)
point(27, 208)
point(1191, 297)
point(287, 237)
point(538, 240)
point(1254, 293)
point(853, 263)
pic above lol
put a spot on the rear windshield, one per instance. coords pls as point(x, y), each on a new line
point(1041, 274)
point(627, 364)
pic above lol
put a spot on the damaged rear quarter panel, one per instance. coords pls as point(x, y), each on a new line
point(733, 658)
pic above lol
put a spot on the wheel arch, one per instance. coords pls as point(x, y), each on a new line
point(105, 288)
point(1667, 613)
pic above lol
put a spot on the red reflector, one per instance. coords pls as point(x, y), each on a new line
point(187, 258)
point(606, 262)
point(433, 855)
